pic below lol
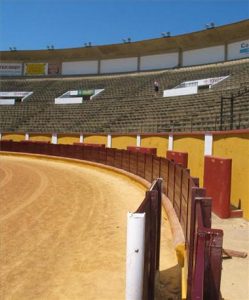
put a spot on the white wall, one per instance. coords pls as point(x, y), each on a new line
point(238, 50)
point(7, 101)
point(204, 56)
point(118, 65)
point(80, 67)
point(161, 61)
point(68, 100)
point(181, 91)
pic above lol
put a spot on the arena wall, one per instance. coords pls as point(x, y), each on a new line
point(231, 144)
point(40, 137)
point(159, 142)
point(160, 61)
point(119, 65)
point(238, 50)
point(194, 145)
point(16, 137)
point(95, 139)
point(235, 146)
point(122, 142)
point(139, 63)
point(204, 56)
point(79, 67)
point(68, 139)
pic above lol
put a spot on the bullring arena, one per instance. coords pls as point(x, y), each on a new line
point(63, 230)
point(86, 138)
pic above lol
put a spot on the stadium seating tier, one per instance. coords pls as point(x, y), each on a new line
point(128, 103)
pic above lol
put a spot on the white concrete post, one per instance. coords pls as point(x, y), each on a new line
point(208, 148)
point(109, 141)
point(135, 256)
point(138, 140)
point(81, 138)
point(171, 142)
point(26, 136)
point(54, 138)
point(0, 136)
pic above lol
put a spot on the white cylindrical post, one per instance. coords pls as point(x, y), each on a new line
point(135, 256)
point(81, 138)
point(138, 140)
point(0, 136)
point(208, 144)
point(109, 141)
point(26, 136)
point(54, 138)
point(171, 141)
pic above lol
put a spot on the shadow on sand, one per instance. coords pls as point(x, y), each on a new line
point(169, 284)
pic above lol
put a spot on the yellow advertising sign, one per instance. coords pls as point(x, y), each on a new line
point(36, 69)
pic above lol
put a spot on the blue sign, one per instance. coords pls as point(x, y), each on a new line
point(244, 47)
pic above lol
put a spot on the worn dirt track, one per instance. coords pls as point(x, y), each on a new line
point(63, 230)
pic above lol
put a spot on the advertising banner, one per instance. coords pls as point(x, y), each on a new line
point(238, 50)
point(13, 94)
point(36, 69)
point(244, 47)
point(202, 82)
point(10, 69)
point(53, 69)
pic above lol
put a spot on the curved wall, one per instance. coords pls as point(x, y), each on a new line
point(204, 56)
point(233, 144)
point(80, 67)
point(218, 44)
point(159, 61)
point(118, 65)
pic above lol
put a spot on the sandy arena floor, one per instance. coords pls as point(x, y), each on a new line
point(235, 271)
point(63, 230)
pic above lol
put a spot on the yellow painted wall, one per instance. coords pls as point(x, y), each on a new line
point(95, 139)
point(40, 137)
point(236, 147)
point(16, 137)
point(195, 147)
point(122, 142)
point(68, 139)
point(159, 142)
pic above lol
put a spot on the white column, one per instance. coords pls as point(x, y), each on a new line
point(109, 141)
point(0, 136)
point(26, 136)
point(54, 138)
point(171, 142)
point(208, 147)
point(135, 256)
point(81, 138)
point(138, 140)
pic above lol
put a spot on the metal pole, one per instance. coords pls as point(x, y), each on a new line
point(231, 113)
point(221, 113)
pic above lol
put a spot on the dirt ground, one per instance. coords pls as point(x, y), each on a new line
point(63, 231)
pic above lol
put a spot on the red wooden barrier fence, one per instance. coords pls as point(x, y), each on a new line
point(142, 150)
point(217, 181)
point(178, 157)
